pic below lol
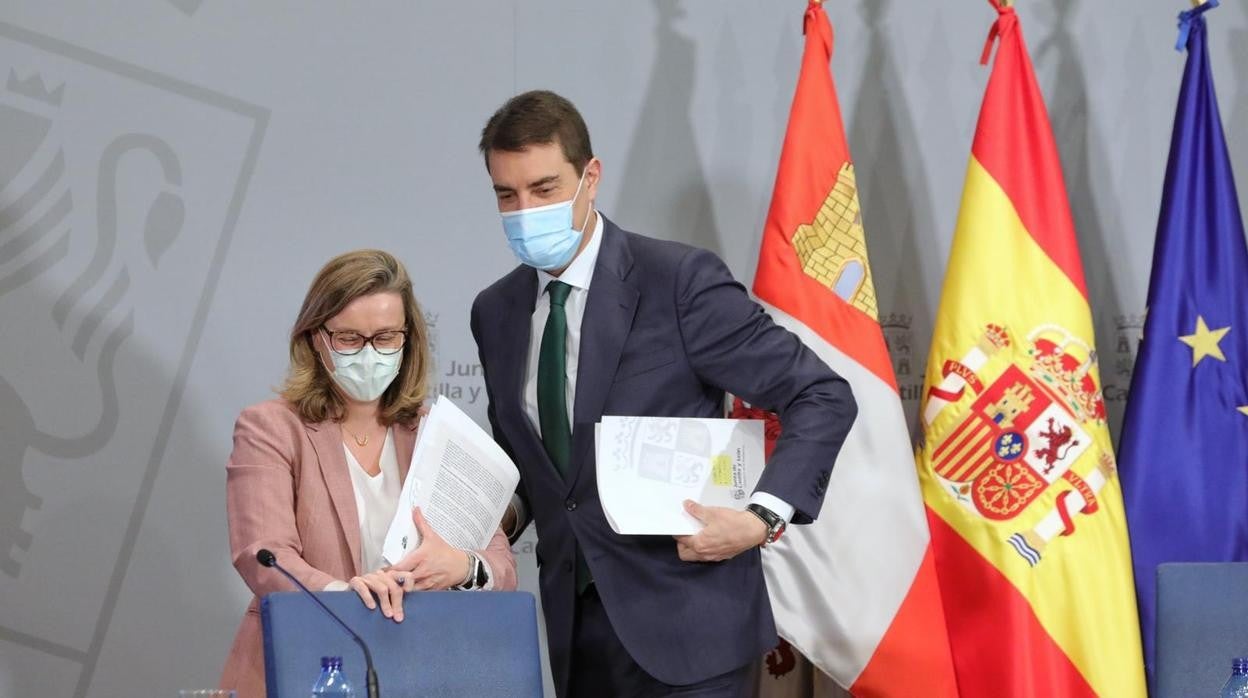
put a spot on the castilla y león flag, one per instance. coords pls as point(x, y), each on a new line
point(1016, 461)
point(855, 591)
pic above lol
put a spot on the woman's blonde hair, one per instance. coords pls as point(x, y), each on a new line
point(309, 385)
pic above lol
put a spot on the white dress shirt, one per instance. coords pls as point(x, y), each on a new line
point(579, 275)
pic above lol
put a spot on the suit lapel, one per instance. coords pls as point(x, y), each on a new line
point(608, 318)
point(517, 322)
point(327, 441)
point(513, 361)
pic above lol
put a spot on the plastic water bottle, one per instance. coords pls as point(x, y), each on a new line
point(323, 678)
point(1237, 685)
point(332, 681)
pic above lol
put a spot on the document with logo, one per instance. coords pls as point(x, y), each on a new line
point(648, 467)
point(461, 480)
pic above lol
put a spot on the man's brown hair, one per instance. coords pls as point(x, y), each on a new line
point(538, 117)
point(309, 386)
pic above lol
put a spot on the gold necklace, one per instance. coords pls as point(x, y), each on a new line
point(358, 441)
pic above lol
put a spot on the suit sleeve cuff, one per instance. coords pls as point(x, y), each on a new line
point(777, 506)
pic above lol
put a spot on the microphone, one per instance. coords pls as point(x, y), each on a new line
point(268, 559)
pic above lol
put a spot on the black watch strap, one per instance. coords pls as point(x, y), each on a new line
point(775, 524)
point(483, 574)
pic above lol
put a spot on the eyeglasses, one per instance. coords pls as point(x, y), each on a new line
point(349, 343)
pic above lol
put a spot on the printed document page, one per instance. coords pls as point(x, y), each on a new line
point(648, 466)
point(461, 480)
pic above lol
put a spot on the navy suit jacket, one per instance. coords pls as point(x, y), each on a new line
point(666, 332)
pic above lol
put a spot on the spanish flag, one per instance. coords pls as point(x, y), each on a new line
point(1015, 459)
point(855, 591)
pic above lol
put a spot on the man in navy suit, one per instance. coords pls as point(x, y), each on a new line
point(600, 321)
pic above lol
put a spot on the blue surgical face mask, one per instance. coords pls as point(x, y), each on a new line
point(543, 236)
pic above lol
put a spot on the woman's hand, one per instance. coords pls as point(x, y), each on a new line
point(435, 564)
point(389, 585)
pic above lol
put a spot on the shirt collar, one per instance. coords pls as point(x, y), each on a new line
point(581, 271)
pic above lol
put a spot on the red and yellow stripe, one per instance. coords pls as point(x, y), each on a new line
point(1068, 625)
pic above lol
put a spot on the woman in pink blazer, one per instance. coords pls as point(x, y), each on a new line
point(315, 475)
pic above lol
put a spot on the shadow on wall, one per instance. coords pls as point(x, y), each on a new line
point(179, 577)
point(736, 209)
point(898, 214)
point(1237, 143)
point(80, 568)
point(41, 582)
point(663, 189)
point(1089, 179)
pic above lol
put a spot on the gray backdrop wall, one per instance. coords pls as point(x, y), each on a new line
point(173, 172)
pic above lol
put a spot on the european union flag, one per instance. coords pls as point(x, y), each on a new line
point(1184, 449)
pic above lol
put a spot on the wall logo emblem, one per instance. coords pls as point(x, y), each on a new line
point(119, 192)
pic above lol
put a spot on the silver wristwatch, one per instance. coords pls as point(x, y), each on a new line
point(775, 524)
point(477, 575)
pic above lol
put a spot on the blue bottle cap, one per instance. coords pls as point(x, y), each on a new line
point(325, 662)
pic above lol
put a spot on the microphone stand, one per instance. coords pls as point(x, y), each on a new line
point(268, 559)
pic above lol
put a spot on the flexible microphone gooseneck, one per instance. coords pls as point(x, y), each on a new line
point(268, 559)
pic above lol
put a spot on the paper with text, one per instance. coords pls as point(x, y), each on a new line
point(648, 467)
point(461, 480)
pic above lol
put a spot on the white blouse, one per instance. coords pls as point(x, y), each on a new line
point(376, 500)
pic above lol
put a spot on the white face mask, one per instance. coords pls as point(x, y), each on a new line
point(366, 374)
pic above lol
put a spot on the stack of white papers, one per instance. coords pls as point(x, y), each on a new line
point(648, 467)
point(461, 480)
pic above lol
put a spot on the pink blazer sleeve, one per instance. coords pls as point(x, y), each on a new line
point(501, 562)
point(260, 499)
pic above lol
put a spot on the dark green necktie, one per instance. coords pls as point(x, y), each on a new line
point(552, 380)
point(552, 401)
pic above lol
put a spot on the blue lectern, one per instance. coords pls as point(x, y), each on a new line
point(1202, 623)
point(450, 643)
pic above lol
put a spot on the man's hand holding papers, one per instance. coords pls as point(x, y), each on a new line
point(649, 467)
point(727, 533)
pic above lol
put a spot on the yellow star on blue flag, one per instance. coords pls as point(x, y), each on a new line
point(1204, 341)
